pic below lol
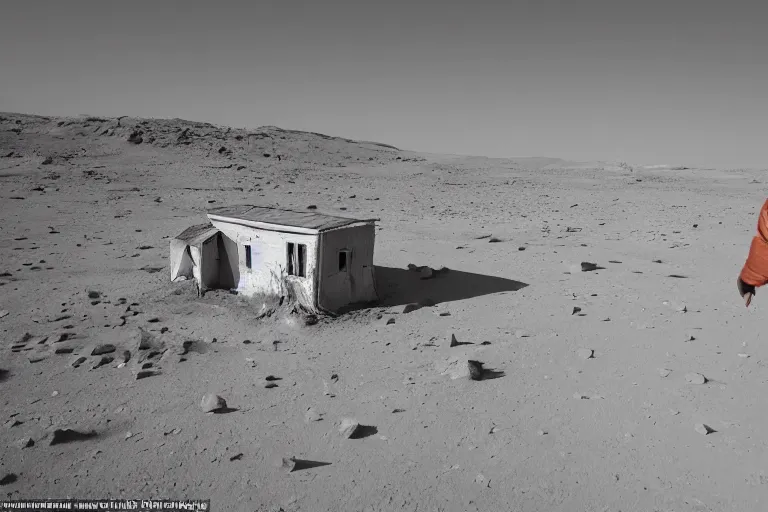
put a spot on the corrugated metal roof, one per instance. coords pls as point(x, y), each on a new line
point(281, 217)
point(198, 233)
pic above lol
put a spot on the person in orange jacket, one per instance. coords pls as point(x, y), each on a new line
point(754, 274)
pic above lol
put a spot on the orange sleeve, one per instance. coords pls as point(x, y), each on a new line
point(755, 270)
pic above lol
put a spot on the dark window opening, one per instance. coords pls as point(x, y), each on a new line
point(343, 260)
point(297, 260)
point(248, 256)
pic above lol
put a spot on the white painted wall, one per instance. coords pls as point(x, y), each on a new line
point(356, 284)
point(268, 273)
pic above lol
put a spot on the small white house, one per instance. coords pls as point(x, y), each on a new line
point(322, 261)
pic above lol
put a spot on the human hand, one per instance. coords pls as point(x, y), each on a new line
point(747, 291)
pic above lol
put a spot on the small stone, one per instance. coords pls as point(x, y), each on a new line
point(288, 464)
point(585, 353)
point(588, 267)
point(25, 442)
point(348, 427)
point(576, 309)
point(143, 374)
point(212, 403)
point(3, 313)
point(664, 372)
point(94, 295)
point(77, 362)
point(312, 415)
point(126, 356)
point(128, 435)
point(475, 369)
point(743, 355)
point(103, 361)
point(454, 342)
point(703, 429)
point(8, 479)
point(542, 432)
point(521, 334)
point(480, 479)
point(410, 307)
point(64, 350)
point(695, 378)
point(106, 348)
point(390, 321)
point(579, 396)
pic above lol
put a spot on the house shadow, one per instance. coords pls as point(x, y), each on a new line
point(397, 286)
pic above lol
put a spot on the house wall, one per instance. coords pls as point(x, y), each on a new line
point(356, 285)
point(181, 263)
point(269, 265)
point(209, 265)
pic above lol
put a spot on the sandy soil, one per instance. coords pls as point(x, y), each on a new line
point(86, 221)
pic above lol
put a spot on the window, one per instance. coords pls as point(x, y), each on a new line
point(247, 256)
point(297, 259)
point(343, 260)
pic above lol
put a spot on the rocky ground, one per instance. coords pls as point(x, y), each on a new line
point(619, 368)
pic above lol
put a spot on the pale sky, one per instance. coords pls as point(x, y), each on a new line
point(681, 82)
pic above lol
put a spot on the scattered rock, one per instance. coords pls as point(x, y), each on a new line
point(312, 207)
point(585, 353)
point(36, 358)
point(126, 356)
point(106, 348)
point(521, 334)
point(236, 457)
point(348, 427)
point(136, 137)
point(391, 321)
point(143, 374)
point(312, 415)
point(454, 341)
point(47, 161)
point(456, 368)
point(105, 360)
point(270, 385)
point(410, 308)
point(426, 273)
point(212, 403)
point(703, 429)
point(68, 435)
point(3, 313)
point(8, 479)
point(395, 411)
point(77, 362)
point(94, 295)
point(542, 432)
point(475, 369)
point(664, 372)
point(588, 267)
point(695, 378)
point(64, 350)
point(743, 355)
point(576, 309)
point(494, 240)
point(25, 442)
